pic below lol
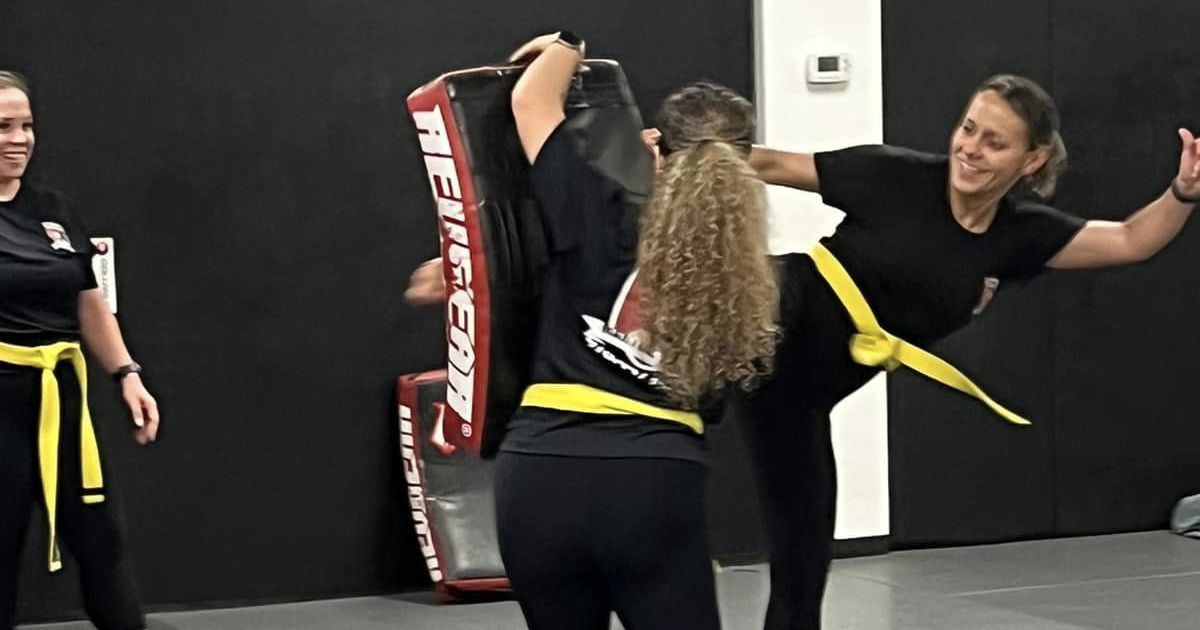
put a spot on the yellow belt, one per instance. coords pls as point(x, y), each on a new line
point(876, 347)
point(586, 399)
point(49, 422)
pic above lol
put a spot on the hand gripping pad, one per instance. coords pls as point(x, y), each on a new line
point(449, 495)
point(492, 239)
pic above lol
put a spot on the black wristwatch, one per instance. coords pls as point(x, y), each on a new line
point(570, 40)
point(1178, 194)
point(125, 370)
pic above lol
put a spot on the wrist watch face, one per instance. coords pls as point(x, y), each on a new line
point(570, 38)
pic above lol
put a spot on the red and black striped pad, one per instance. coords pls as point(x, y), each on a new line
point(492, 241)
point(449, 494)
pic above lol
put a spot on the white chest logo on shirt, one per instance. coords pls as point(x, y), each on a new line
point(618, 340)
point(990, 285)
point(58, 236)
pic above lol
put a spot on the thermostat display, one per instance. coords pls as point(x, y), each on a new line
point(826, 69)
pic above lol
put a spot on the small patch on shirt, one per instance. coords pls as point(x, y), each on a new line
point(990, 285)
point(58, 237)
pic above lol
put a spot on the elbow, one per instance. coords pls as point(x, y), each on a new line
point(1136, 250)
point(1139, 252)
point(525, 104)
point(1135, 258)
point(518, 101)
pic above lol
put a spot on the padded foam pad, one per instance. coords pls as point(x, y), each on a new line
point(492, 240)
point(449, 494)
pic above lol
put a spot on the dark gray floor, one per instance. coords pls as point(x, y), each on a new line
point(1145, 581)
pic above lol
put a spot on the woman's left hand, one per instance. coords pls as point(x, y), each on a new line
point(142, 408)
point(1188, 179)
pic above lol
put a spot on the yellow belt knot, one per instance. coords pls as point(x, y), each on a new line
point(876, 347)
point(875, 350)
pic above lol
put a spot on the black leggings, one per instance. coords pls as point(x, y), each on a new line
point(89, 532)
point(584, 537)
point(797, 485)
point(786, 425)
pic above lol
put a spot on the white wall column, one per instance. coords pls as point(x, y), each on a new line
point(794, 115)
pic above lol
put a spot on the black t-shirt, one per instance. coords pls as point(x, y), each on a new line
point(923, 273)
point(589, 320)
point(45, 261)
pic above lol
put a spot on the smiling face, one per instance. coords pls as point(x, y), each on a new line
point(991, 151)
point(16, 135)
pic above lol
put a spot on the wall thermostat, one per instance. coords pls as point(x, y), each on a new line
point(827, 69)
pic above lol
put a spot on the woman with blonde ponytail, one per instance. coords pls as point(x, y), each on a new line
point(926, 242)
point(708, 295)
point(648, 315)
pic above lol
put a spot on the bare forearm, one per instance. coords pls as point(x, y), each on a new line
point(101, 332)
point(1154, 226)
point(784, 168)
point(1145, 232)
point(544, 84)
point(538, 97)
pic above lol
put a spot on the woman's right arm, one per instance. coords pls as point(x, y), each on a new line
point(538, 97)
point(784, 168)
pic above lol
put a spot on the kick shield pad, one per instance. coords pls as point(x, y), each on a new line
point(449, 495)
point(492, 240)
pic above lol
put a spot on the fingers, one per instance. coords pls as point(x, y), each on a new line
point(519, 54)
point(426, 285)
point(651, 137)
point(422, 296)
point(1191, 145)
point(135, 409)
point(1189, 159)
point(431, 264)
point(147, 431)
point(533, 48)
point(526, 52)
point(150, 406)
point(143, 410)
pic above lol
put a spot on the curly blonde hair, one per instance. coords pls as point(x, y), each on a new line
point(709, 299)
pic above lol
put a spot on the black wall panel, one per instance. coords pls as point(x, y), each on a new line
point(255, 163)
point(958, 473)
point(1102, 361)
point(1129, 446)
point(936, 51)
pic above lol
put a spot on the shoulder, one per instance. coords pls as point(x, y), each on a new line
point(43, 203)
point(1036, 233)
point(1033, 211)
point(562, 149)
point(885, 152)
point(43, 198)
point(856, 178)
point(561, 169)
point(877, 160)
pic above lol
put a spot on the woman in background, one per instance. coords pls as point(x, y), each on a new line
point(49, 303)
